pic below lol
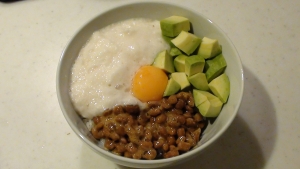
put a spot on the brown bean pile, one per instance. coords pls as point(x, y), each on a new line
point(165, 129)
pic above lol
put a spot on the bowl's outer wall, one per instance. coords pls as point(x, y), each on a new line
point(153, 10)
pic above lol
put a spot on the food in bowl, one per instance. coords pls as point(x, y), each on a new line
point(141, 103)
point(102, 73)
point(165, 129)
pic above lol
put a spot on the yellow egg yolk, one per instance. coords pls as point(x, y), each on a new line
point(149, 83)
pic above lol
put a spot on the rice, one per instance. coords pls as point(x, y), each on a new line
point(102, 73)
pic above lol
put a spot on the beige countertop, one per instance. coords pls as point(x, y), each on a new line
point(35, 134)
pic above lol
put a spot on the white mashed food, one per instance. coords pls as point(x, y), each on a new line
point(102, 73)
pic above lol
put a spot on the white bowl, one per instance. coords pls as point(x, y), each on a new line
point(202, 26)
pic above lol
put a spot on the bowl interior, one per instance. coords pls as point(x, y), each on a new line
point(202, 26)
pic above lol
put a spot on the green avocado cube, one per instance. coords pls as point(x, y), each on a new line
point(209, 48)
point(186, 42)
point(220, 86)
point(181, 79)
point(164, 61)
point(179, 63)
point(175, 52)
point(194, 64)
point(172, 87)
point(208, 104)
point(173, 25)
point(199, 81)
point(168, 40)
point(199, 98)
point(215, 67)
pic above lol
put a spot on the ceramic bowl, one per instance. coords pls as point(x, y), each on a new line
point(202, 26)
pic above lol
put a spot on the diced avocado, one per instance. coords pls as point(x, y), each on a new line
point(194, 64)
point(181, 79)
point(220, 86)
point(172, 87)
point(209, 48)
point(210, 108)
point(164, 61)
point(179, 63)
point(199, 81)
point(207, 104)
point(175, 51)
point(173, 25)
point(186, 42)
point(215, 67)
point(199, 98)
point(168, 40)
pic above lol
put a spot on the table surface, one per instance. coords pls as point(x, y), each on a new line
point(35, 134)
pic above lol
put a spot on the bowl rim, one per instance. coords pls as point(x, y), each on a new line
point(96, 148)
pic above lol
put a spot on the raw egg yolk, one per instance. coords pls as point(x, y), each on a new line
point(149, 83)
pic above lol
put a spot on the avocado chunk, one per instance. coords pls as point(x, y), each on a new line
point(164, 61)
point(209, 48)
point(179, 63)
point(181, 79)
point(214, 67)
point(210, 108)
point(173, 25)
point(172, 87)
point(220, 86)
point(199, 98)
point(175, 52)
point(194, 64)
point(186, 42)
point(208, 104)
point(199, 81)
point(168, 40)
